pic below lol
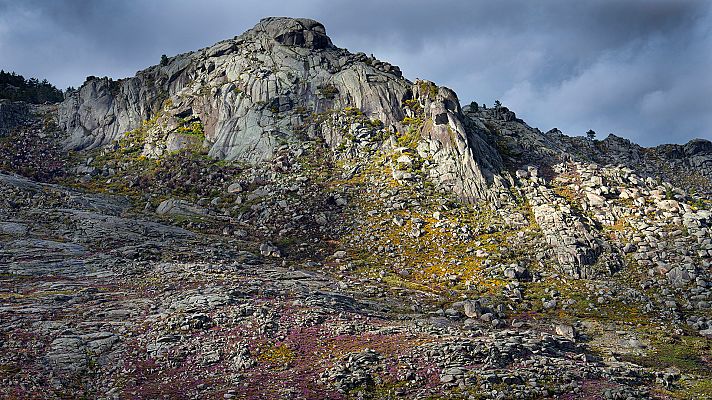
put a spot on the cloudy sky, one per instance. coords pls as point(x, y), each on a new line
point(637, 68)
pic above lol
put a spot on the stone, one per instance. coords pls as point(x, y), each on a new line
point(235, 188)
point(595, 200)
point(566, 331)
point(270, 250)
point(13, 229)
point(548, 304)
point(678, 276)
point(405, 159)
point(668, 205)
point(179, 207)
point(471, 309)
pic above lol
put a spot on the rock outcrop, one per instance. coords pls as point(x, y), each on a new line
point(463, 161)
point(249, 92)
point(266, 87)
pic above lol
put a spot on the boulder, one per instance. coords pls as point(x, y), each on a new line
point(595, 200)
point(179, 207)
point(566, 331)
point(235, 188)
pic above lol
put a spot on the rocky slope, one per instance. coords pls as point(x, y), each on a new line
point(12, 115)
point(264, 88)
point(275, 217)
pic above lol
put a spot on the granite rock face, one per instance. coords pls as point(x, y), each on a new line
point(249, 92)
point(463, 161)
point(266, 87)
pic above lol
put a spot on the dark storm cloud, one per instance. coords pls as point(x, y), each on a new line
point(638, 68)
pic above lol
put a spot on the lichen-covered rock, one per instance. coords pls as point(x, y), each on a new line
point(269, 86)
point(250, 92)
point(464, 162)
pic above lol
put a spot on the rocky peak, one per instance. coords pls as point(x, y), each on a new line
point(265, 88)
point(300, 32)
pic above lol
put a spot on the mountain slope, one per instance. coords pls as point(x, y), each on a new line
point(275, 217)
point(264, 88)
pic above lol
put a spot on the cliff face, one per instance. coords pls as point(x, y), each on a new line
point(247, 91)
point(253, 92)
point(463, 161)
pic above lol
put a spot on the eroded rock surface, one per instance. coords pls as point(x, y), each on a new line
point(275, 217)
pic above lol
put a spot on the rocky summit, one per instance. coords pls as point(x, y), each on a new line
point(274, 217)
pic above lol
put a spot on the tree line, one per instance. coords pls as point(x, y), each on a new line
point(16, 88)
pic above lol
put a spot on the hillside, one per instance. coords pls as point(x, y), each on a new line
point(276, 217)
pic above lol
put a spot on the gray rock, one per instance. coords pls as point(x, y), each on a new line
point(13, 229)
point(706, 333)
point(566, 331)
point(678, 276)
point(179, 207)
point(270, 250)
point(245, 110)
point(235, 188)
point(472, 309)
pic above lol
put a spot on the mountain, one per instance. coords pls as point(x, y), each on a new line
point(276, 217)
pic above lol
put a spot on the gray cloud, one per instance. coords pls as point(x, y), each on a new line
point(638, 68)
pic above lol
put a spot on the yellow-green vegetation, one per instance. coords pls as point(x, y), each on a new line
point(686, 353)
point(328, 91)
point(277, 356)
point(569, 196)
point(617, 229)
point(194, 128)
point(693, 389)
point(413, 105)
point(411, 137)
point(352, 111)
point(430, 254)
point(581, 308)
point(413, 124)
point(428, 88)
point(132, 142)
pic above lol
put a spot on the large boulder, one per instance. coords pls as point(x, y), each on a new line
point(296, 32)
point(179, 207)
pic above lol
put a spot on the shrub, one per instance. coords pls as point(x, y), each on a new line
point(328, 91)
